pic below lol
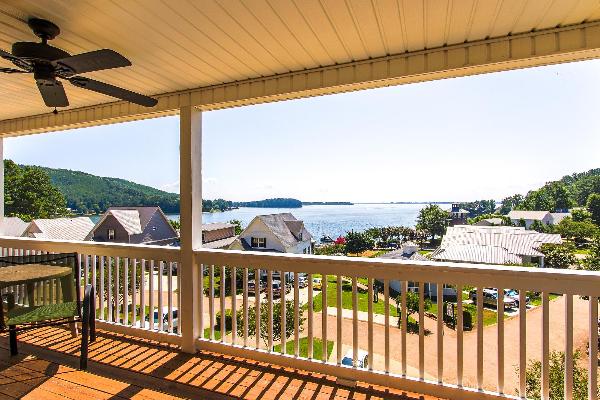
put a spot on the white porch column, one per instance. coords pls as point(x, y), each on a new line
point(190, 183)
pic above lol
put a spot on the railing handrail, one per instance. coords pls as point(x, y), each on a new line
point(570, 281)
point(149, 252)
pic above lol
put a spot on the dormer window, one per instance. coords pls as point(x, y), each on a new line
point(300, 236)
point(258, 242)
point(110, 234)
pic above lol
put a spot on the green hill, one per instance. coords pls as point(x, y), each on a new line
point(87, 193)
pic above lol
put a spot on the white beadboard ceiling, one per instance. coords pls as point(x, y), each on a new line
point(176, 45)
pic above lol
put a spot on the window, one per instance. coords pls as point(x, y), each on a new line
point(258, 242)
point(111, 234)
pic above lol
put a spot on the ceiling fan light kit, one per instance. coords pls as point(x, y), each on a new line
point(48, 64)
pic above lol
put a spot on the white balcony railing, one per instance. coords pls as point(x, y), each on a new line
point(436, 359)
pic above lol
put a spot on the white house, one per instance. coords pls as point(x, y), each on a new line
point(281, 233)
point(530, 217)
point(493, 245)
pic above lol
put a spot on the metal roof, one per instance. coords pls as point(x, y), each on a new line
point(12, 226)
point(523, 214)
point(178, 46)
point(60, 228)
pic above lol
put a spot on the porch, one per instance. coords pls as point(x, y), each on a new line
point(125, 367)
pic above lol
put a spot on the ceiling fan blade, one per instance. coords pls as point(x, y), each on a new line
point(93, 61)
point(12, 71)
point(113, 91)
point(54, 95)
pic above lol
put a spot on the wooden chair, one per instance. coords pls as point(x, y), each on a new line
point(44, 290)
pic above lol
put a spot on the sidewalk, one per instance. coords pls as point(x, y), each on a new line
point(363, 316)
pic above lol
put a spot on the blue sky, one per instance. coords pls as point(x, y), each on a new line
point(485, 136)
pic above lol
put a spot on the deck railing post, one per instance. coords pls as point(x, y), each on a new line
point(190, 182)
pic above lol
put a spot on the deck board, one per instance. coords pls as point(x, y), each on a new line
point(123, 367)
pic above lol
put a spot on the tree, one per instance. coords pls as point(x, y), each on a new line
point(593, 206)
point(238, 226)
point(579, 232)
point(412, 305)
point(580, 215)
point(592, 261)
point(433, 220)
point(357, 242)
point(558, 255)
point(533, 378)
point(29, 194)
point(505, 220)
point(175, 223)
point(509, 203)
point(264, 321)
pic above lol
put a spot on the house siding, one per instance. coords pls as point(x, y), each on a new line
point(110, 222)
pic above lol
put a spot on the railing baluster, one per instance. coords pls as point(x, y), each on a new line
point(151, 295)
point(522, 343)
point(593, 346)
point(386, 295)
point(500, 313)
point(143, 294)
point(257, 305)
point(211, 301)
point(233, 305)
point(117, 277)
point(421, 330)
point(126, 291)
point(134, 286)
point(440, 331)
point(324, 314)
point(282, 304)
point(459, 335)
point(200, 298)
point(246, 305)
point(101, 291)
point(94, 279)
point(339, 320)
point(201, 294)
point(270, 309)
point(479, 337)
point(310, 316)
point(109, 288)
point(354, 321)
point(169, 265)
point(296, 314)
point(222, 288)
point(160, 321)
point(86, 267)
point(370, 321)
point(403, 324)
point(568, 346)
point(545, 346)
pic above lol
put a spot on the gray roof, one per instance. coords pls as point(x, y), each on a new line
point(489, 221)
point(60, 228)
point(400, 255)
point(145, 213)
point(216, 226)
point(286, 228)
point(135, 220)
point(220, 244)
point(12, 226)
point(491, 244)
point(557, 217)
point(532, 215)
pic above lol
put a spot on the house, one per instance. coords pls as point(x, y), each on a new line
point(410, 251)
point(12, 226)
point(559, 216)
point(59, 228)
point(493, 245)
point(458, 216)
point(218, 235)
point(281, 233)
point(489, 222)
point(516, 216)
point(135, 225)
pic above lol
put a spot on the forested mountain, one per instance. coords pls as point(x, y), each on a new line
point(87, 193)
point(271, 203)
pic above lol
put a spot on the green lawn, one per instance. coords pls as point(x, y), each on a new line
point(363, 301)
point(206, 333)
point(537, 300)
point(303, 350)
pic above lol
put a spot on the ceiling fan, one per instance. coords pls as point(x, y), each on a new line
point(48, 63)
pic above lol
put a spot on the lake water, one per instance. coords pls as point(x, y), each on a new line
point(329, 220)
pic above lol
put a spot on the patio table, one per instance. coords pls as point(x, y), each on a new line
point(29, 274)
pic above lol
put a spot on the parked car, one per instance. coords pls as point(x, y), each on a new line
point(514, 294)
point(490, 298)
point(317, 283)
point(276, 287)
point(164, 318)
point(362, 360)
point(252, 287)
point(302, 282)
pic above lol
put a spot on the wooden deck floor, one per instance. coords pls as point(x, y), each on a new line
point(129, 368)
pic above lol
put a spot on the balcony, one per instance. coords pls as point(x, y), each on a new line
point(433, 359)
